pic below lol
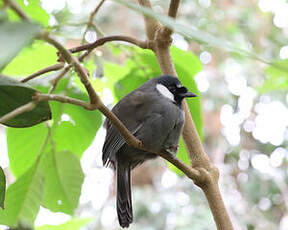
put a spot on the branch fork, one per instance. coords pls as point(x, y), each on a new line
point(201, 171)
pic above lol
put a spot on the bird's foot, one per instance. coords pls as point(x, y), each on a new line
point(172, 149)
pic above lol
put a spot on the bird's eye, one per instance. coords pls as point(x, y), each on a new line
point(172, 88)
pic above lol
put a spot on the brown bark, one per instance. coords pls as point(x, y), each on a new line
point(209, 174)
point(202, 172)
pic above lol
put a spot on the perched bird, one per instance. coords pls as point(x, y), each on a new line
point(153, 113)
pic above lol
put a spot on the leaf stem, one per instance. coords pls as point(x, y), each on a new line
point(22, 109)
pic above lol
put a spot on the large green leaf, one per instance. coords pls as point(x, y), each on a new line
point(277, 77)
point(23, 199)
point(13, 37)
point(113, 73)
point(63, 179)
point(31, 59)
point(2, 188)
point(24, 146)
point(130, 82)
point(187, 66)
point(74, 224)
point(14, 94)
point(33, 10)
point(74, 128)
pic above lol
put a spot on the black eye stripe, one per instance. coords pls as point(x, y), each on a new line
point(182, 90)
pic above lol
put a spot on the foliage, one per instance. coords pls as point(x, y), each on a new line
point(277, 77)
point(14, 36)
point(33, 10)
point(23, 199)
point(14, 94)
point(2, 188)
point(24, 64)
point(45, 159)
point(74, 224)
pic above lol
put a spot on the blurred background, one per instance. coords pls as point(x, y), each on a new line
point(244, 103)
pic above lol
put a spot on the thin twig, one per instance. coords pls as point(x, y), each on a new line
point(95, 102)
point(102, 41)
point(173, 10)
point(45, 70)
point(79, 69)
point(91, 18)
point(151, 24)
point(55, 81)
point(22, 109)
point(14, 6)
point(63, 99)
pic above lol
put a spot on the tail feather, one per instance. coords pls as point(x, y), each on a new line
point(124, 202)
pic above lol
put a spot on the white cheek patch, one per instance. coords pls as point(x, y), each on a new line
point(165, 92)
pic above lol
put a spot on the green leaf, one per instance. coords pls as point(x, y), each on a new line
point(31, 59)
point(277, 77)
point(74, 224)
point(182, 155)
point(14, 94)
point(23, 199)
point(192, 32)
point(13, 37)
point(97, 83)
point(113, 73)
point(63, 179)
point(131, 81)
point(74, 128)
point(24, 146)
point(2, 188)
point(187, 66)
point(33, 10)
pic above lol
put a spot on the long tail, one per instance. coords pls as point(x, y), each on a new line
point(124, 203)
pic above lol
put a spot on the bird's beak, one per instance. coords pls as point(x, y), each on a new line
point(183, 92)
point(189, 94)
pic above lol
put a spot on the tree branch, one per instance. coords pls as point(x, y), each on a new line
point(206, 175)
point(63, 99)
point(79, 69)
point(151, 24)
point(55, 81)
point(102, 41)
point(22, 109)
point(209, 174)
point(125, 133)
point(173, 10)
point(14, 6)
point(91, 18)
point(42, 71)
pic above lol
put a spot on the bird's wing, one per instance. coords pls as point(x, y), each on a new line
point(113, 142)
point(127, 110)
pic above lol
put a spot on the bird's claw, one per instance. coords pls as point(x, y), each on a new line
point(172, 149)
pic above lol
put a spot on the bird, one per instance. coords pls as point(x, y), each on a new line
point(154, 114)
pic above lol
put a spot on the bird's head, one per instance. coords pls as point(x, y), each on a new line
point(172, 88)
